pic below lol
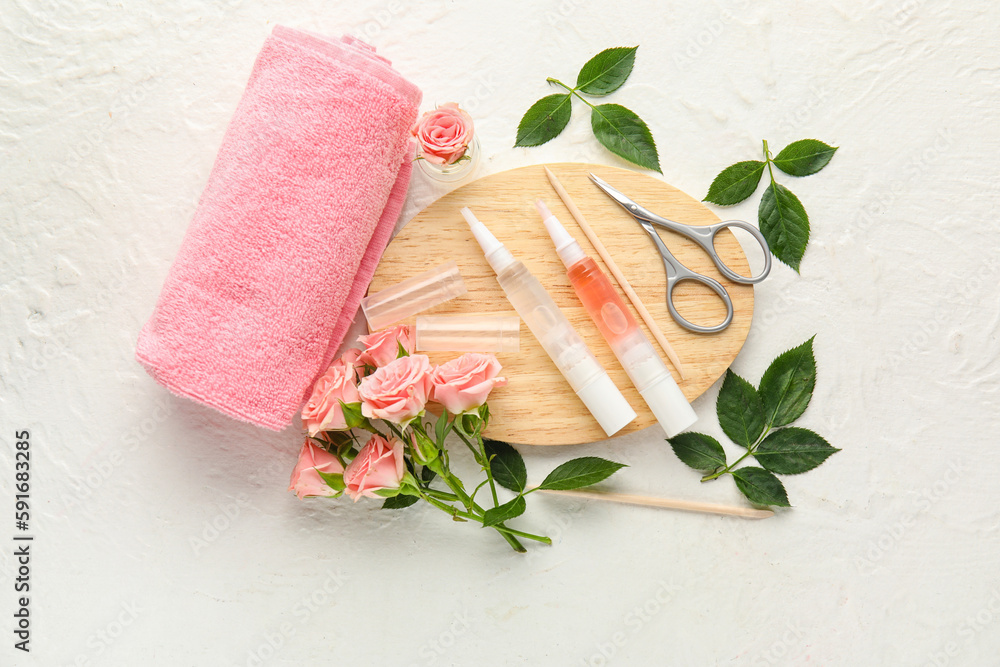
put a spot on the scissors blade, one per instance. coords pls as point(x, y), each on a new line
point(638, 212)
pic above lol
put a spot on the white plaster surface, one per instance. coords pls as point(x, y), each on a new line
point(111, 117)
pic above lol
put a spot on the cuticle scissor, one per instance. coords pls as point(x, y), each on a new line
point(704, 236)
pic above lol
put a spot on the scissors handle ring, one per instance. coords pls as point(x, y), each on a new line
point(709, 245)
point(680, 276)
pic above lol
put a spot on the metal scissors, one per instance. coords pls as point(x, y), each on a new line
point(704, 236)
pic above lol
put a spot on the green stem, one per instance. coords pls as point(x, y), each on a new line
point(503, 530)
point(767, 160)
point(725, 470)
point(750, 450)
point(455, 485)
point(475, 491)
point(481, 455)
point(440, 495)
point(528, 536)
point(572, 91)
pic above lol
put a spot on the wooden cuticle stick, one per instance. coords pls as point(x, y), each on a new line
point(666, 503)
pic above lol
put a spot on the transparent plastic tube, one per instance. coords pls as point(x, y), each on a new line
point(558, 338)
point(412, 296)
point(469, 333)
point(615, 322)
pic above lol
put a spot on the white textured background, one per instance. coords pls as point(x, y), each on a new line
point(111, 117)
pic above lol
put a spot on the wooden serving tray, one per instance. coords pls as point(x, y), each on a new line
point(537, 406)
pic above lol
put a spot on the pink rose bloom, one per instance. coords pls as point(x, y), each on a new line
point(444, 134)
point(379, 465)
point(398, 391)
point(463, 384)
point(382, 346)
point(351, 356)
point(305, 478)
point(322, 411)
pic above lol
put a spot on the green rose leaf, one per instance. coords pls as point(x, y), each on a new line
point(761, 487)
point(399, 502)
point(505, 512)
point(698, 451)
point(470, 421)
point(544, 120)
point(784, 223)
point(606, 71)
point(740, 410)
point(334, 480)
point(735, 183)
point(804, 157)
point(787, 385)
point(401, 351)
point(441, 428)
point(625, 134)
point(506, 465)
point(579, 473)
point(793, 450)
point(352, 414)
point(426, 475)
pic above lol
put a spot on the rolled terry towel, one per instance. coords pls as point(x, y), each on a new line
point(300, 204)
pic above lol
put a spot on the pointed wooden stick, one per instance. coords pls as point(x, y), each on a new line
point(654, 328)
point(668, 503)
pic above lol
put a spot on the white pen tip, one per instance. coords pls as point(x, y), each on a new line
point(469, 216)
point(543, 210)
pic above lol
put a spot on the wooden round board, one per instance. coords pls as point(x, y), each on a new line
point(537, 406)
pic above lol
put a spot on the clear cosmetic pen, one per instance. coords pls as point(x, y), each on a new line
point(557, 336)
point(613, 318)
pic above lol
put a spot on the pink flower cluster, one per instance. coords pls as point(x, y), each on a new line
point(397, 390)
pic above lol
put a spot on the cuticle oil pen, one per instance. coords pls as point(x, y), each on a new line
point(557, 336)
point(614, 320)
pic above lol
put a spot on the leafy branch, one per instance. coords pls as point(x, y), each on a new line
point(619, 129)
point(782, 218)
point(757, 420)
point(502, 464)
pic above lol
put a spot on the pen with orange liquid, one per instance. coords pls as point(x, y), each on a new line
point(614, 320)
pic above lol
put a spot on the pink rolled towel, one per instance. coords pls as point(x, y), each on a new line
point(300, 204)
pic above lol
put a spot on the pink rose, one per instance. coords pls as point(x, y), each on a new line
point(382, 346)
point(305, 478)
point(444, 134)
point(398, 391)
point(463, 384)
point(379, 465)
point(322, 411)
point(351, 356)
